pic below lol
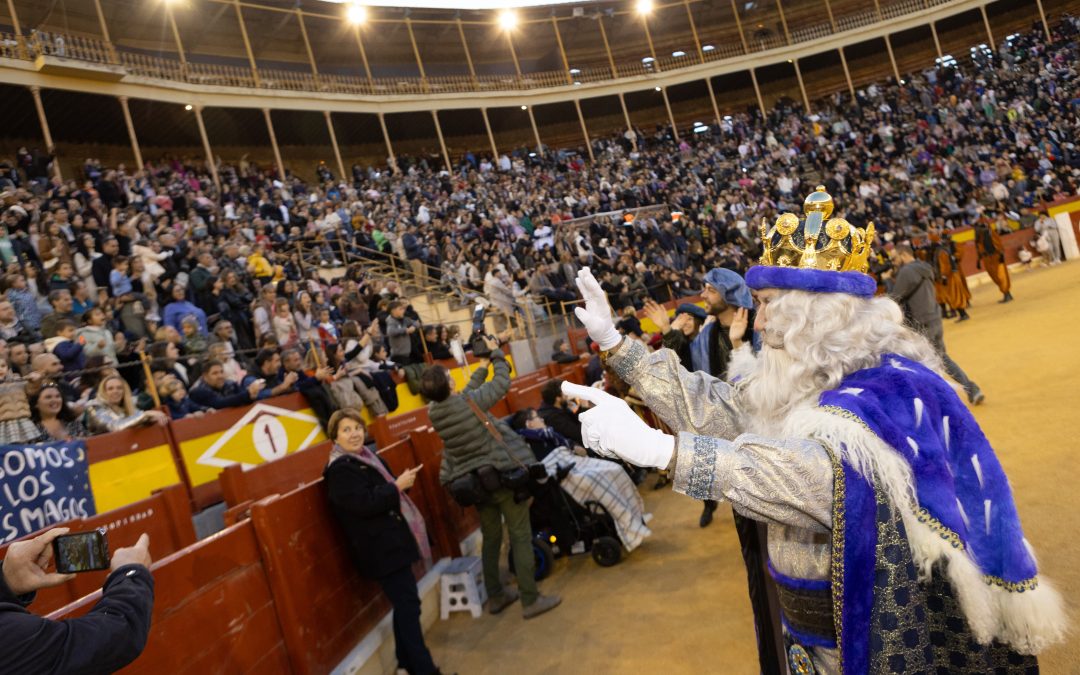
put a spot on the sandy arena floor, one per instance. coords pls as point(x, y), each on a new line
point(678, 604)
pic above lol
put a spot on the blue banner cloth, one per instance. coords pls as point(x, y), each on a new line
point(42, 485)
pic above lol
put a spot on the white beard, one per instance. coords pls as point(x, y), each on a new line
point(775, 386)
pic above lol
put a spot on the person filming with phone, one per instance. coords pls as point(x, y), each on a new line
point(107, 638)
point(384, 530)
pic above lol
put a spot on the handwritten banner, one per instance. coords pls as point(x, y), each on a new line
point(41, 485)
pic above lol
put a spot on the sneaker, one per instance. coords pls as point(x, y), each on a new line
point(501, 602)
point(976, 397)
point(543, 604)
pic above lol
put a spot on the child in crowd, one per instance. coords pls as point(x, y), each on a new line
point(16, 425)
point(195, 343)
point(119, 280)
point(328, 332)
point(66, 347)
point(284, 324)
point(174, 395)
point(95, 337)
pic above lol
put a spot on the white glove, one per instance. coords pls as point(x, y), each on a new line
point(596, 314)
point(614, 430)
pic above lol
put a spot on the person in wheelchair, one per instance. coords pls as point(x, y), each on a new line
point(585, 478)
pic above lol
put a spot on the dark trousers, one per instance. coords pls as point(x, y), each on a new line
point(412, 653)
point(763, 601)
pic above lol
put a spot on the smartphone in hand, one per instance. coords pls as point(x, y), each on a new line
point(81, 552)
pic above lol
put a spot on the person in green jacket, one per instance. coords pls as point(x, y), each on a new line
point(468, 445)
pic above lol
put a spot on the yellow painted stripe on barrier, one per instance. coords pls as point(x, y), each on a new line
point(966, 235)
point(252, 443)
point(1068, 207)
point(126, 479)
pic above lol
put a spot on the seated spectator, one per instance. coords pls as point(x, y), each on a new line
point(66, 347)
point(113, 409)
point(54, 420)
point(195, 343)
point(26, 307)
point(437, 347)
point(559, 413)
point(268, 367)
point(215, 390)
point(12, 328)
point(96, 337)
point(16, 425)
point(175, 397)
point(19, 358)
point(81, 298)
point(165, 356)
point(224, 352)
point(629, 324)
point(588, 479)
point(179, 307)
point(562, 353)
point(349, 391)
point(49, 368)
point(61, 304)
point(310, 379)
point(107, 638)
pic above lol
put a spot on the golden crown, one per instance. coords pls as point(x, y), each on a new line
point(799, 243)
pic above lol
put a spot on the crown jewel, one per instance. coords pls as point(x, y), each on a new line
point(816, 241)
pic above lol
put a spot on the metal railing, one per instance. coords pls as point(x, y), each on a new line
point(95, 50)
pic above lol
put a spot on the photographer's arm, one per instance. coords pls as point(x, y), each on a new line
point(489, 393)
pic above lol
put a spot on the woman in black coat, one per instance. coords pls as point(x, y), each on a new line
point(384, 529)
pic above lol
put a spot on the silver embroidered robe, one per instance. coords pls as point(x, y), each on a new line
point(785, 483)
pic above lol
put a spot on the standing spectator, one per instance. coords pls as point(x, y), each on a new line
point(913, 290)
point(470, 445)
point(384, 530)
point(1049, 237)
point(399, 331)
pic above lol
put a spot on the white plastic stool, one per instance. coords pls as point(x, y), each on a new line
point(462, 588)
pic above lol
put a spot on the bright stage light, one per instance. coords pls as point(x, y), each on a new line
point(187, 107)
point(524, 107)
point(644, 6)
point(356, 14)
point(508, 20)
point(658, 89)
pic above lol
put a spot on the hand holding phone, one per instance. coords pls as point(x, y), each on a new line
point(26, 562)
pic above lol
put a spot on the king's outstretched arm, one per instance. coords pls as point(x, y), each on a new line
point(787, 482)
point(693, 402)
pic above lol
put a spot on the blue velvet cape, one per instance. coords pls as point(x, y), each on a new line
point(962, 492)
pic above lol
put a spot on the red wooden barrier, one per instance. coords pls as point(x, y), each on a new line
point(213, 611)
point(276, 477)
point(166, 517)
point(529, 397)
point(323, 605)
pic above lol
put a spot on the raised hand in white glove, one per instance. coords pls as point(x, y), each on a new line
point(612, 429)
point(596, 314)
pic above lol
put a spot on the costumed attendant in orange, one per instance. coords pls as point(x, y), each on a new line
point(951, 285)
point(991, 252)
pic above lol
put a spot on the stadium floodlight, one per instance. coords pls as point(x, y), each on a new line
point(644, 6)
point(356, 14)
point(508, 19)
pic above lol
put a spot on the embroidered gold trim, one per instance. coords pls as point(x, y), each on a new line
point(837, 551)
point(930, 521)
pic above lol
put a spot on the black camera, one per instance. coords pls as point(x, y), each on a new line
point(479, 343)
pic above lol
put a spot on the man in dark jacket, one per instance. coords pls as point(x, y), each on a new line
point(106, 639)
point(471, 443)
point(556, 412)
point(913, 290)
point(213, 390)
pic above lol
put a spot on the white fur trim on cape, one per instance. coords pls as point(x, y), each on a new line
point(1029, 621)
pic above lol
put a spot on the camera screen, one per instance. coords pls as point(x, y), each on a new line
point(81, 552)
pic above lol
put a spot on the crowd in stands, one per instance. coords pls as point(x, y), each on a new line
point(226, 291)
